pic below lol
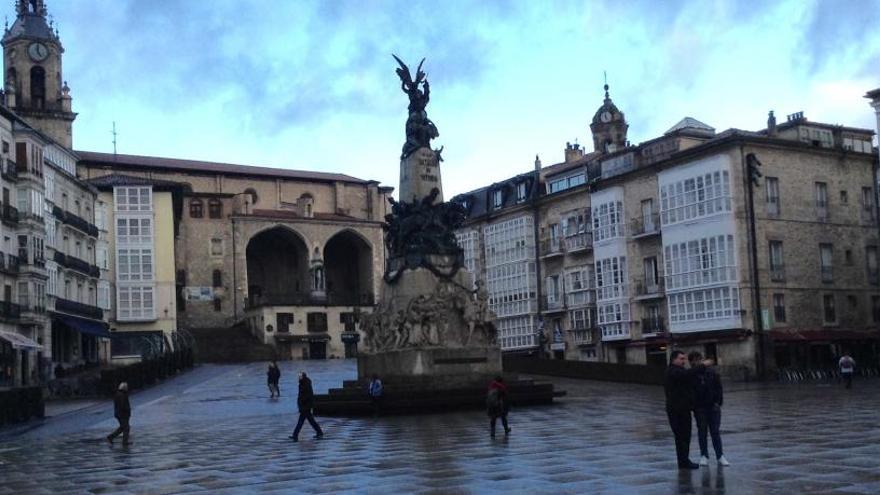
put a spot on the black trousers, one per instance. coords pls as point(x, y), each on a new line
point(493, 419)
point(123, 429)
point(680, 421)
point(847, 379)
point(303, 416)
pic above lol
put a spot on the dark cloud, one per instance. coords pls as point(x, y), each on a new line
point(835, 27)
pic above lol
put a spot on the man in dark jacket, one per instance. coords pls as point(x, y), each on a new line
point(679, 403)
point(305, 401)
point(122, 412)
point(708, 398)
point(273, 375)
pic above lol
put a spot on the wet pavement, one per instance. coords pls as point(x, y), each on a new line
point(214, 430)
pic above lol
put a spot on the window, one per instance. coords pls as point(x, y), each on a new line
point(843, 198)
point(216, 247)
point(195, 208)
point(101, 216)
point(215, 208)
point(520, 192)
point(777, 267)
point(134, 265)
point(218, 304)
point(611, 278)
point(875, 308)
point(825, 261)
point(695, 197)
point(135, 303)
point(847, 256)
point(852, 301)
point(101, 257)
point(497, 198)
point(821, 195)
point(871, 261)
point(608, 221)
point(52, 285)
point(772, 186)
point(218, 278)
point(700, 262)
point(868, 204)
point(564, 183)
point(705, 304)
point(779, 308)
point(133, 198)
point(132, 230)
point(828, 312)
point(104, 294)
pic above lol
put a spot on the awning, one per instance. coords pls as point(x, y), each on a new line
point(19, 341)
point(821, 335)
point(83, 325)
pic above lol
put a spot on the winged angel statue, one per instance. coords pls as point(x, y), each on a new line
point(419, 128)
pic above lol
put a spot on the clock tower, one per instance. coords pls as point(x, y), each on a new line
point(33, 84)
point(608, 127)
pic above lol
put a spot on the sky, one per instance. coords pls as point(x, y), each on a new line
point(311, 85)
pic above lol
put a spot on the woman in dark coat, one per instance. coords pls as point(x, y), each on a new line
point(305, 401)
point(497, 405)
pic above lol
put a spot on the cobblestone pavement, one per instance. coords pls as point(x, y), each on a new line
point(214, 430)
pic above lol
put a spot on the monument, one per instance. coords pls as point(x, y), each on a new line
point(432, 337)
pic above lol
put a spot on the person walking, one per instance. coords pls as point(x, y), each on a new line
point(679, 389)
point(305, 401)
point(122, 412)
point(274, 375)
point(497, 405)
point(847, 367)
point(375, 389)
point(708, 398)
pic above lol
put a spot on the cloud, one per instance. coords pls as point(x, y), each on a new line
point(835, 28)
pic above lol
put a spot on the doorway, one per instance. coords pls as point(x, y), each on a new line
point(317, 350)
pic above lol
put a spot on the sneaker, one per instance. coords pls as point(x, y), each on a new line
point(704, 461)
point(722, 461)
point(689, 465)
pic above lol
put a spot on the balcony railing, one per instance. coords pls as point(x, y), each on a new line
point(9, 214)
point(645, 226)
point(579, 242)
point(650, 288)
point(827, 274)
point(77, 264)
point(552, 247)
point(75, 221)
point(580, 298)
point(80, 309)
point(868, 214)
point(9, 264)
point(9, 170)
point(583, 336)
point(309, 299)
point(615, 331)
point(9, 310)
point(553, 303)
point(777, 273)
point(653, 326)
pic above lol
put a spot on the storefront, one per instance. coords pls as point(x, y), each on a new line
point(18, 360)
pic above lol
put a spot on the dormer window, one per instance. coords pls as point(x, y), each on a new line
point(215, 208)
point(497, 198)
point(520, 192)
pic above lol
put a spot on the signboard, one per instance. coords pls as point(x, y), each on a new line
point(199, 293)
point(557, 346)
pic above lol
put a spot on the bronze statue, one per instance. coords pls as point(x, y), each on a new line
point(419, 128)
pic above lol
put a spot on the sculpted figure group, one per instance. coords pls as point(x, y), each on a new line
point(450, 317)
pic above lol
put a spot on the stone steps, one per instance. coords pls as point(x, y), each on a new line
point(230, 345)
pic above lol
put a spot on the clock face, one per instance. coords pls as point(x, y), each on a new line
point(605, 117)
point(38, 51)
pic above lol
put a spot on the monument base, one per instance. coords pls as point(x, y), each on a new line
point(437, 369)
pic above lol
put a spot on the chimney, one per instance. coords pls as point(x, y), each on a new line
point(537, 163)
point(573, 152)
point(771, 124)
point(794, 117)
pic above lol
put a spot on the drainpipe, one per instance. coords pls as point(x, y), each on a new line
point(234, 279)
point(752, 175)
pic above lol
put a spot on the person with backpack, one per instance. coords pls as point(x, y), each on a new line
point(847, 367)
point(305, 401)
point(274, 375)
point(497, 405)
point(708, 398)
point(375, 391)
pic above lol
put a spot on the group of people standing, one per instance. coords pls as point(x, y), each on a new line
point(694, 391)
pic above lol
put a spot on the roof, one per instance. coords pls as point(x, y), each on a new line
point(30, 26)
point(691, 124)
point(112, 180)
point(292, 215)
point(175, 164)
point(873, 94)
point(558, 168)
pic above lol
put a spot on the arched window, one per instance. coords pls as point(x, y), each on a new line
point(215, 208)
point(38, 87)
point(196, 208)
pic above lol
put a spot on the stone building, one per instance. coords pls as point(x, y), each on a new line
point(686, 249)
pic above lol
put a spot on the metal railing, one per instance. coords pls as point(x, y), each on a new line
point(653, 326)
point(9, 214)
point(77, 308)
point(645, 226)
point(9, 310)
point(777, 273)
point(552, 247)
point(578, 242)
point(553, 303)
point(649, 288)
point(9, 264)
point(9, 170)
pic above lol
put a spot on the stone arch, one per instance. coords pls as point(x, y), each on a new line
point(348, 262)
point(277, 260)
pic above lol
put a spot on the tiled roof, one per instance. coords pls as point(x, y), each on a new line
point(174, 164)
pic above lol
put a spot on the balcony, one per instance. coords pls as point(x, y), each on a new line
point(552, 247)
point(9, 310)
point(777, 273)
point(9, 264)
point(75, 221)
point(9, 171)
point(651, 289)
point(79, 309)
point(24, 259)
point(309, 299)
point(32, 304)
point(9, 215)
point(579, 242)
point(653, 327)
point(553, 304)
point(77, 264)
point(827, 274)
point(645, 226)
point(580, 298)
point(583, 336)
point(615, 331)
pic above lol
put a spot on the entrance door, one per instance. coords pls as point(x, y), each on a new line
point(283, 321)
point(651, 276)
point(621, 355)
point(351, 349)
point(317, 350)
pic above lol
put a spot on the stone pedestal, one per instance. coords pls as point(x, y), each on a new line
point(433, 369)
point(419, 174)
